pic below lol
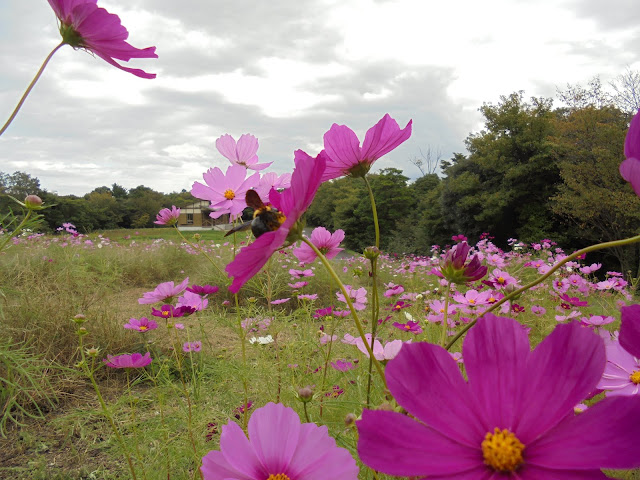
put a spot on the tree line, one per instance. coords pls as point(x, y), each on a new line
point(104, 208)
point(533, 172)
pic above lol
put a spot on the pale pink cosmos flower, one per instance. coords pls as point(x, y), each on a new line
point(164, 292)
point(135, 360)
point(241, 153)
point(358, 297)
point(346, 157)
point(393, 289)
point(226, 191)
point(85, 26)
point(622, 374)
point(168, 217)
point(278, 447)
point(325, 241)
point(381, 353)
point(192, 346)
point(272, 180)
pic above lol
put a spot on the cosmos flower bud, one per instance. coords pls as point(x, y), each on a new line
point(305, 394)
point(454, 269)
point(371, 253)
point(350, 419)
point(92, 351)
point(79, 319)
point(33, 202)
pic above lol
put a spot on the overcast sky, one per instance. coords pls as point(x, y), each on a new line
point(284, 71)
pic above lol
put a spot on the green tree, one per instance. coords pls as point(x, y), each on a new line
point(504, 184)
point(593, 199)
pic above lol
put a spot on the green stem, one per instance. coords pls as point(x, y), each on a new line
point(326, 362)
point(29, 88)
point(105, 411)
point(132, 406)
point(375, 311)
point(574, 255)
point(374, 210)
point(445, 319)
point(354, 314)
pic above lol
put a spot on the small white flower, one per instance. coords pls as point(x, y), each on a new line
point(261, 340)
point(408, 316)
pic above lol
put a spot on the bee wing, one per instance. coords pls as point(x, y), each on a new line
point(239, 228)
point(253, 200)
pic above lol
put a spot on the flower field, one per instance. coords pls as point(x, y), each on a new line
point(291, 326)
point(273, 353)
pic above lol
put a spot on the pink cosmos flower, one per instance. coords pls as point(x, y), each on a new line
point(410, 327)
point(358, 297)
point(630, 329)
point(225, 191)
point(500, 279)
point(142, 325)
point(84, 25)
point(622, 374)
point(455, 268)
point(342, 365)
point(393, 289)
point(203, 289)
point(389, 351)
point(168, 217)
point(597, 320)
point(630, 168)
point(280, 301)
point(164, 292)
point(193, 300)
point(298, 285)
point(293, 202)
point(512, 419)
point(346, 157)
point(192, 346)
point(169, 311)
point(272, 180)
point(279, 447)
point(324, 240)
point(242, 153)
point(312, 296)
point(135, 360)
point(301, 273)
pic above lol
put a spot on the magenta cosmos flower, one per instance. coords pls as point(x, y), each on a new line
point(241, 153)
point(135, 360)
point(346, 157)
point(279, 447)
point(225, 191)
point(164, 292)
point(86, 26)
point(630, 168)
point(325, 241)
point(293, 202)
point(513, 418)
point(454, 266)
point(168, 217)
point(622, 374)
point(630, 329)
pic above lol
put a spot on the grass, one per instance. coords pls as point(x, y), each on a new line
point(59, 430)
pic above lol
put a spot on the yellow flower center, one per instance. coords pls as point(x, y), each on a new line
point(502, 450)
point(472, 301)
point(165, 313)
point(229, 194)
point(501, 280)
point(635, 377)
point(142, 328)
point(407, 327)
point(278, 476)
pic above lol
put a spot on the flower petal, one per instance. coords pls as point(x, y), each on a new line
point(238, 452)
point(383, 137)
point(495, 353)
point(630, 329)
point(397, 445)
point(427, 382)
point(563, 369)
point(603, 436)
point(274, 421)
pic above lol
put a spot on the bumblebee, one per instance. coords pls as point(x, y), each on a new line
point(265, 218)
